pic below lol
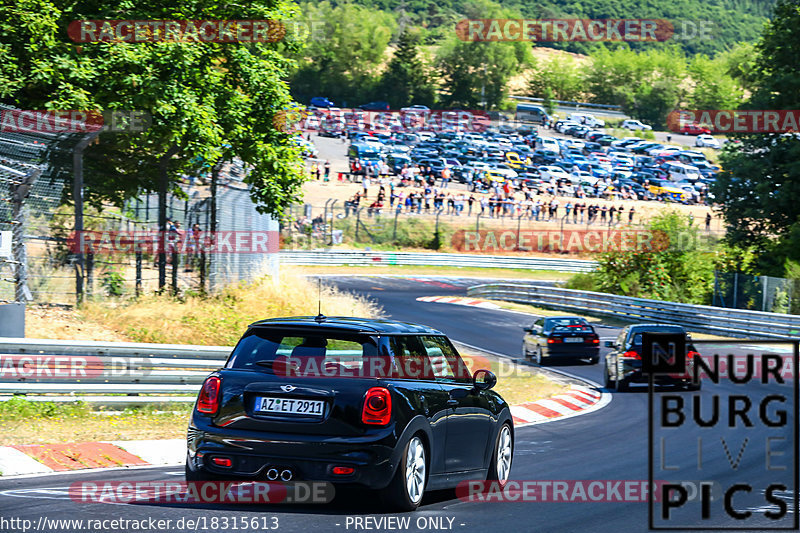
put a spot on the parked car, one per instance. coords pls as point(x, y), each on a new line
point(380, 404)
point(635, 125)
point(707, 141)
point(623, 365)
point(321, 101)
point(694, 129)
point(561, 337)
point(375, 106)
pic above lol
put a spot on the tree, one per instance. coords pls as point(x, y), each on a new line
point(714, 87)
point(201, 96)
point(680, 272)
point(560, 76)
point(760, 184)
point(345, 49)
point(406, 80)
point(476, 74)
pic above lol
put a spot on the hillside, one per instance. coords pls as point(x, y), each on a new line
point(732, 20)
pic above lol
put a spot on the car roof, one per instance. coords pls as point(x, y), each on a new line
point(347, 324)
point(644, 327)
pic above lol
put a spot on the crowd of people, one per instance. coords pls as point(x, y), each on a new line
point(528, 204)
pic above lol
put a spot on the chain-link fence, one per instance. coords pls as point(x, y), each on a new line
point(36, 165)
point(759, 293)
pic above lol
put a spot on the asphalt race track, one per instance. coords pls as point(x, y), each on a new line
point(607, 445)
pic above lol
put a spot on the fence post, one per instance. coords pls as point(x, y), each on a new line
point(175, 273)
point(138, 274)
point(89, 273)
point(20, 193)
point(333, 219)
point(394, 232)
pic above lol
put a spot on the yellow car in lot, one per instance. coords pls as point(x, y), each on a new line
point(663, 188)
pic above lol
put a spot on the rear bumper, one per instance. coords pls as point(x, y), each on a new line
point(570, 350)
point(307, 457)
point(631, 371)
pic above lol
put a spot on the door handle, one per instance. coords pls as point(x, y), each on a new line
point(452, 403)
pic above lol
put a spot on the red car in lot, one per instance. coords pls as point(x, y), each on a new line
point(694, 129)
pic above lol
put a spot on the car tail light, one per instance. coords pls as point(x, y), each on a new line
point(208, 401)
point(222, 461)
point(592, 339)
point(631, 354)
point(377, 407)
point(343, 470)
point(554, 340)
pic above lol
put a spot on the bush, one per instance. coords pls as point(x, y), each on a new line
point(582, 281)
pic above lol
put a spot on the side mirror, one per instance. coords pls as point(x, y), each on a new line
point(527, 329)
point(609, 344)
point(483, 379)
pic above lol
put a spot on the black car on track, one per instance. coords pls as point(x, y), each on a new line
point(561, 337)
point(623, 364)
point(386, 405)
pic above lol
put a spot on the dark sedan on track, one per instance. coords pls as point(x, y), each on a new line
point(380, 404)
point(561, 337)
point(623, 364)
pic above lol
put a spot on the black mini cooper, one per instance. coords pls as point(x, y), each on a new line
point(380, 404)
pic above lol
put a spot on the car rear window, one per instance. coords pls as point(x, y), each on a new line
point(637, 335)
point(567, 324)
point(306, 354)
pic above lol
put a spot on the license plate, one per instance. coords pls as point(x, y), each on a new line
point(289, 406)
point(573, 339)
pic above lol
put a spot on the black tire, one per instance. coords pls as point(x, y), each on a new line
point(537, 356)
point(199, 475)
point(495, 473)
point(525, 355)
point(395, 497)
point(594, 360)
point(609, 383)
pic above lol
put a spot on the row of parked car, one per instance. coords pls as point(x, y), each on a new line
point(595, 165)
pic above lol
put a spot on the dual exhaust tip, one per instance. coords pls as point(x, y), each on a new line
point(284, 475)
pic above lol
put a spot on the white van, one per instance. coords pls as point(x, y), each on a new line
point(681, 172)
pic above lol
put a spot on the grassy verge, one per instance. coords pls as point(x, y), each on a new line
point(26, 422)
point(515, 383)
point(491, 273)
point(216, 320)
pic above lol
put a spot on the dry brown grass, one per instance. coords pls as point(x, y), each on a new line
point(515, 383)
point(220, 320)
point(93, 427)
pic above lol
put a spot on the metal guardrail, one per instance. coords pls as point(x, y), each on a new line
point(359, 257)
point(105, 372)
point(700, 318)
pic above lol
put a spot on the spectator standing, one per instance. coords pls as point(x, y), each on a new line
point(708, 221)
point(630, 214)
